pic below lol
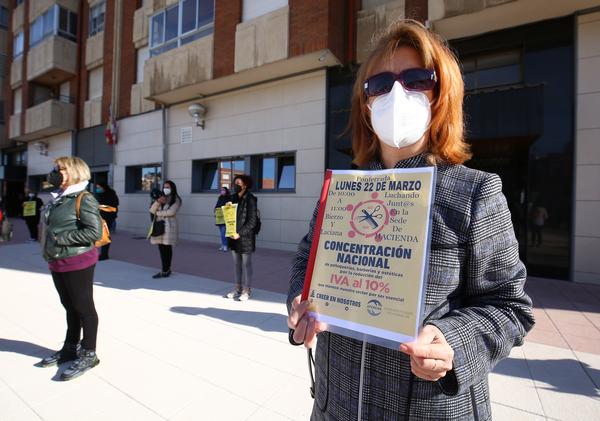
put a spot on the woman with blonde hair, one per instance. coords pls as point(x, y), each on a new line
point(72, 226)
point(406, 113)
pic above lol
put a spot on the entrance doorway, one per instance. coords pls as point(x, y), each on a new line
point(508, 158)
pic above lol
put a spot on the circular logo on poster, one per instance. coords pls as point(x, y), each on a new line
point(374, 307)
point(369, 218)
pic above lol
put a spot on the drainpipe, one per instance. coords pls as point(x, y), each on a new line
point(165, 142)
point(116, 80)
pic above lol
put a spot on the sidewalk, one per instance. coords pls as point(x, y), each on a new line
point(175, 349)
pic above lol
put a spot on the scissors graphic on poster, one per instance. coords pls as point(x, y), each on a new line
point(371, 217)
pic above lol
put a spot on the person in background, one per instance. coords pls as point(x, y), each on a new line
point(407, 112)
point(243, 243)
point(33, 220)
point(109, 208)
point(224, 197)
point(165, 209)
point(69, 248)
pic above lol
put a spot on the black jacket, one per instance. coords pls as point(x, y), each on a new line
point(108, 198)
point(38, 209)
point(246, 223)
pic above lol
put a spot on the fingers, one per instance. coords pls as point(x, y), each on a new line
point(425, 374)
point(432, 365)
point(439, 351)
point(305, 327)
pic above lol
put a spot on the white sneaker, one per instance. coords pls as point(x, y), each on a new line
point(244, 296)
point(233, 294)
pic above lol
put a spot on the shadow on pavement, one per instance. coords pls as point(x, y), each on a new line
point(268, 322)
point(561, 375)
point(24, 348)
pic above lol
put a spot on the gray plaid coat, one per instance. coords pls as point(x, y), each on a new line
point(474, 296)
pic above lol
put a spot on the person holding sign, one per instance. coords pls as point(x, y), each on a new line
point(243, 242)
point(407, 113)
point(31, 213)
point(224, 197)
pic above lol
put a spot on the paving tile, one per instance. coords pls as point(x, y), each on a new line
point(264, 414)
point(583, 344)
point(506, 413)
point(565, 390)
point(547, 337)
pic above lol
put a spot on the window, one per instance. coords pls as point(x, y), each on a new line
point(47, 25)
point(95, 83)
point(17, 101)
point(67, 23)
point(142, 55)
point(3, 61)
point(2, 112)
point(4, 15)
point(254, 8)
point(212, 175)
point(142, 178)
point(180, 24)
point(18, 44)
point(272, 173)
point(20, 2)
point(492, 69)
point(97, 14)
point(277, 173)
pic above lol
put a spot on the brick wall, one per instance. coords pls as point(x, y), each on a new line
point(108, 58)
point(25, 85)
point(308, 26)
point(228, 13)
point(128, 64)
point(81, 93)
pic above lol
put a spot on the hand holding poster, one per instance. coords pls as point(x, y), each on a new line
point(29, 208)
point(368, 263)
point(230, 216)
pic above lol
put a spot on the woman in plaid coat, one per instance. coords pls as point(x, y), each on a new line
point(406, 113)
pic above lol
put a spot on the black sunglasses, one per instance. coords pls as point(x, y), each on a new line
point(416, 79)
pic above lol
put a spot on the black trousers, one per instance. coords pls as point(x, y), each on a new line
point(75, 290)
point(166, 256)
point(32, 224)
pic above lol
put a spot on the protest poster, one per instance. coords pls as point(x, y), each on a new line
point(29, 208)
point(367, 269)
point(230, 218)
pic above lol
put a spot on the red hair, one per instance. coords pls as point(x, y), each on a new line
point(446, 134)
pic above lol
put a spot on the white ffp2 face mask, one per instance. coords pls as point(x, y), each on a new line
point(167, 191)
point(400, 117)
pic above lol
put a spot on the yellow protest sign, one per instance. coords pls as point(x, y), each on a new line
point(219, 219)
point(230, 217)
point(368, 264)
point(29, 208)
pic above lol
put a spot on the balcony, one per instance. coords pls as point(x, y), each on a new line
point(48, 118)
point(18, 18)
point(138, 103)
point(179, 68)
point(140, 25)
point(37, 7)
point(14, 126)
point(52, 61)
point(16, 72)
point(92, 112)
point(94, 51)
point(262, 40)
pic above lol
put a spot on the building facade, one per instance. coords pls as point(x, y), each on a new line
point(203, 90)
